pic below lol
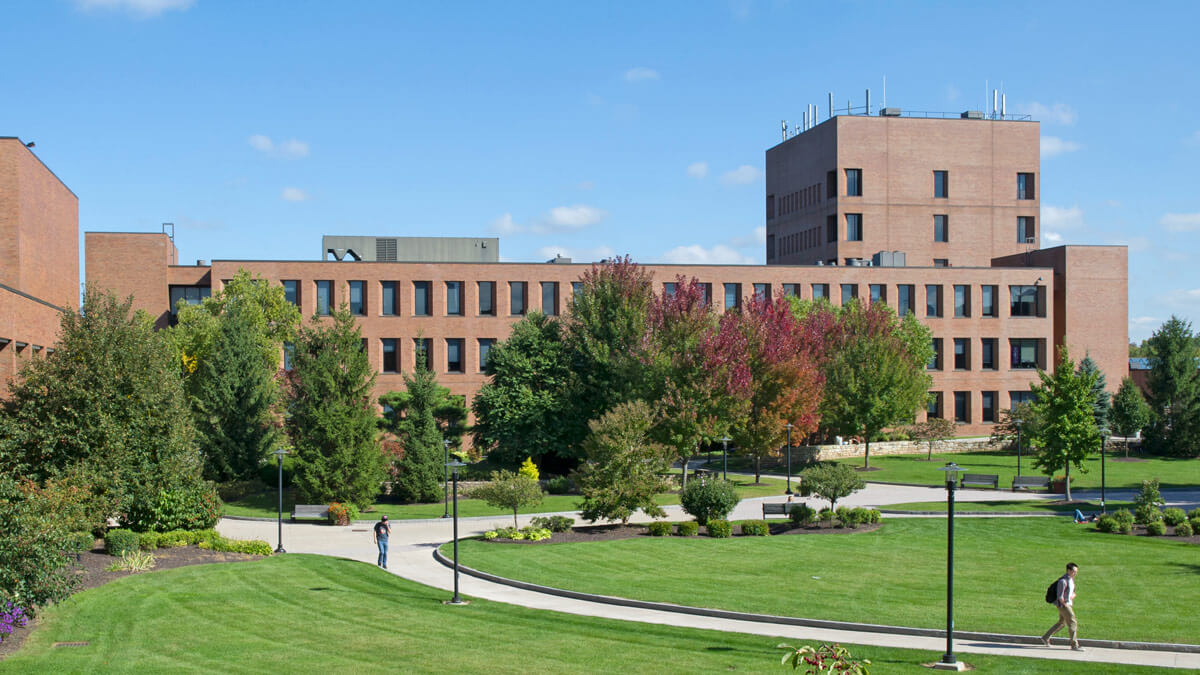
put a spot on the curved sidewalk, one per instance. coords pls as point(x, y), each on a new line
point(413, 543)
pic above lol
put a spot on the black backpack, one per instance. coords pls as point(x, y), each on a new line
point(1052, 592)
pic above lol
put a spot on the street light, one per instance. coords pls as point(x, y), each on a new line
point(725, 457)
point(1017, 421)
point(789, 459)
point(446, 477)
point(1103, 442)
point(456, 600)
point(948, 661)
point(279, 453)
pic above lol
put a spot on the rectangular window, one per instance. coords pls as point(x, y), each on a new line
point(762, 291)
point(933, 300)
point(831, 184)
point(516, 298)
point(770, 247)
point(358, 300)
point(422, 298)
point(487, 298)
point(1016, 398)
point(770, 206)
point(289, 355)
point(1025, 186)
point(853, 182)
point(941, 262)
point(669, 289)
point(576, 287)
point(791, 289)
point(550, 298)
point(878, 293)
point(933, 409)
point(906, 301)
point(987, 301)
point(291, 292)
point(706, 289)
point(941, 184)
point(192, 295)
point(733, 296)
point(1025, 353)
point(423, 352)
point(454, 298)
point(962, 406)
point(941, 228)
point(987, 412)
point(324, 297)
point(391, 361)
point(849, 292)
point(987, 351)
point(820, 291)
point(830, 229)
point(854, 227)
point(485, 349)
point(962, 301)
point(962, 354)
point(454, 356)
point(1024, 301)
point(388, 297)
point(1026, 233)
point(935, 361)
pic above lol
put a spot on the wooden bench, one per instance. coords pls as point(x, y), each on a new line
point(1030, 482)
point(777, 508)
point(981, 479)
point(310, 512)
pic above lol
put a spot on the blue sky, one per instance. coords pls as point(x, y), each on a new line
point(582, 128)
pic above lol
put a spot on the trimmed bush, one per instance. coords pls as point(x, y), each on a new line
point(802, 515)
point(1184, 529)
point(1124, 527)
point(719, 529)
point(846, 517)
point(1146, 514)
point(249, 547)
point(1173, 516)
point(535, 533)
point(1156, 528)
point(196, 507)
point(148, 541)
point(874, 516)
point(825, 514)
point(688, 528)
point(756, 528)
point(1123, 516)
point(554, 523)
point(659, 528)
point(1194, 514)
point(1195, 523)
point(559, 485)
point(711, 500)
point(1107, 524)
point(119, 542)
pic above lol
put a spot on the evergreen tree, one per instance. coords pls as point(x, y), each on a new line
point(331, 417)
point(1103, 399)
point(1130, 414)
point(1174, 427)
point(420, 470)
point(1064, 403)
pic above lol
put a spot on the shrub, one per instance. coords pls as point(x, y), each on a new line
point(874, 516)
point(133, 561)
point(826, 658)
point(11, 616)
point(756, 528)
point(503, 533)
point(1124, 527)
point(1107, 524)
point(1195, 523)
point(688, 528)
point(711, 500)
point(1184, 529)
point(659, 528)
point(719, 529)
point(1173, 516)
point(119, 542)
point(846, 517)
point(338, 514)
point(802, 515)
point(185, 508)
point(554, 523)
point(559, 485)
point(529, 469)
point(237, 490)
point(535, 533)
point(825, 514)
point(80, 541)
point(1156, 528)
point(1194, 514)
point(148, 541)
point(249, 547)
point(1146, 514)
point(269, 473)
point(1123, 516)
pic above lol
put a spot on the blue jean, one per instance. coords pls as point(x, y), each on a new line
point(383, 543)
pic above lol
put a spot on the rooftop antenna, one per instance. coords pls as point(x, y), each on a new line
point(783, 124)
point(994, 108)
point(805, 118)
point(831, 105)
point(1003, 106)
point(868, 101)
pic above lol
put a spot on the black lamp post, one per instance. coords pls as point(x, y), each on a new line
point(456, 600)
point(1018, 422)
point(725, 457)
point(1103, 442)
point(789, 459)
point(948, 661)
point(446, 477)
point(279, 461)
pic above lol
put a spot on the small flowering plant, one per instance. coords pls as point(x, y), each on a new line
point(828, 658)
point(11, 617)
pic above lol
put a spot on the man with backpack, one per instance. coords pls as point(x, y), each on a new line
point(1062, 595)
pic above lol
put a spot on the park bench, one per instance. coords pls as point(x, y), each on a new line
point(980, 479)
point(777, 508)
point(1030, 482)
point(310, 512)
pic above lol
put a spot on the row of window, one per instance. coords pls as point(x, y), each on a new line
point(810, 238)
point(988, 402)
point(422, 301)
point(455, 354)
point(1024, 354)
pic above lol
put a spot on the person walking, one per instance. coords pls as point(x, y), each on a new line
point(1065, 602)
point(383, 529)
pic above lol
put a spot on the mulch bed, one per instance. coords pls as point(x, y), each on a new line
point(92, 573)
point(1140, 531)
point(614, 532)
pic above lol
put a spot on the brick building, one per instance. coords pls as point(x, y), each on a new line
point(39, 256)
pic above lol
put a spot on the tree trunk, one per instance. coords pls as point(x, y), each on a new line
point(515, 519)
point(757, 463)
point(1068, 480)
point(867, 456)
point(683, 483)
point(930, 457)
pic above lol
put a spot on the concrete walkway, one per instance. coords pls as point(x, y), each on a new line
point(413, 543)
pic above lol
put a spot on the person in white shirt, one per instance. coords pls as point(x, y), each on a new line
point(1066, 608)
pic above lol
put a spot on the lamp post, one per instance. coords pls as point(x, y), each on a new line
point(725, 457)
point(446, 478)
point(279, 453)
point(456, 600)
point(1017, 421)
point(1103, 442)
point(789, 459)
point(948, 661)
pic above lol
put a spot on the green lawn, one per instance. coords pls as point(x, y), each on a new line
point(1132, 588)
point(312, 614)
point(1011, 506)
point(266, 504)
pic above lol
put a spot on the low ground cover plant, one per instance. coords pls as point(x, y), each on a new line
point(12, 616)
point(528, 533)
point(825, 658)
point(249, 546)
point(133, 561)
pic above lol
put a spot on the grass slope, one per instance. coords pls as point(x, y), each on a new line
point(310, 614)
point(1129, 587)
point(1011, 506)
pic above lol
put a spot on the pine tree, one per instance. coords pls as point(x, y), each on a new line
point(1102, 404)
point(420, 471)
point(1130, 414)
point(1174, 391)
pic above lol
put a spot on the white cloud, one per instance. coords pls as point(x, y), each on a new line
point(697, 169)
point(566, 218)
point(698, 255)
point(504, 225)
point(757, 238)
point(1059, 113)
point(743, 175)
point(594, 254)
point(1180, 222)
point(1181, 297)
point(293, 194)
point(1052, 237)
point(1053, 146)
point(640, 74)
point(1062, 218)
point(289, 149)
point(140, 8)
point(1144, 321)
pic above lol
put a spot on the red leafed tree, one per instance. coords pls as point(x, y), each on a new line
point(767, 361)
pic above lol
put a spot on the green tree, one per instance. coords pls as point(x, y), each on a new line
point(931, 431)
point(830, 481)
point(1102, 404)
point(1174, 399)
point(331, 418)
point(108, 407)
point(420, 469)
point(1130, 414)
point(624, 469)
point(518, 412)
point(508, 490)
point(1021, 417)
point(1065, 403)
point(34, 569)
point(709, 500)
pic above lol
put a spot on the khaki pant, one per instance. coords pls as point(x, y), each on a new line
point(1066, 617)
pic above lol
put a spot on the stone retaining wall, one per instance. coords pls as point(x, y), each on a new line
point(809, 453)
